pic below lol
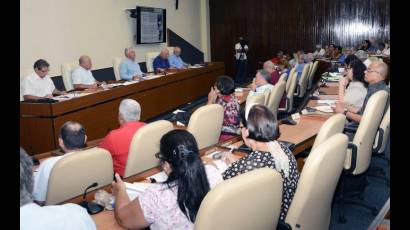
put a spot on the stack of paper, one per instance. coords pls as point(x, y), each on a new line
point(220, 165)
point(159, 177)
point(329, 102)
point(150, 77)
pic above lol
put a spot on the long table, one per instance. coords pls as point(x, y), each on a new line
point(40, 122)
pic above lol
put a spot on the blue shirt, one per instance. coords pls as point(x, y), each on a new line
point(299, 70)
point(160, 63)
point(175, 61)
point(342, 59)
point(128, 69)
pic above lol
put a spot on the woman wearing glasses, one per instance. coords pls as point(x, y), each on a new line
point(173, 204)
point(353, 87)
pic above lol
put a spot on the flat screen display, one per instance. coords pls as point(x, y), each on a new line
point(151, 25)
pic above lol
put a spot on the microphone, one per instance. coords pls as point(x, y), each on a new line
point(95, 184)
point(91, 207)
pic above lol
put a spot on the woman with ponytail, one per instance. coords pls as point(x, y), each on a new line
point(174, 203)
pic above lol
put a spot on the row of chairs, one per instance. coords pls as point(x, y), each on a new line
point(68, 67)
point(95, 164)
point(291, 86)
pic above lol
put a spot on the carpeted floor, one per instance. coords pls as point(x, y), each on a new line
point(377, 193)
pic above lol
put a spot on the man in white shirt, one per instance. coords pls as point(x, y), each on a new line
point(319, 51)
point(260, 83)
point(82, 77)
point(35, 217)
point(72, 138)
point(39, 85)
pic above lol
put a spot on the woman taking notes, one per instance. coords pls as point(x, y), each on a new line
point(173, 204)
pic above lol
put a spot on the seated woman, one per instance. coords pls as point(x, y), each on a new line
point(353, 87)
point(260, 132)
point(173, 204)
point(223, 93)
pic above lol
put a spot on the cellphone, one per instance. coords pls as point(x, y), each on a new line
point(217, 156)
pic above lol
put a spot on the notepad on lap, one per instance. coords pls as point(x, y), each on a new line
point(136, 189)
point(159, 177)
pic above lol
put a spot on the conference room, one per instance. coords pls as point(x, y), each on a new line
point(205, 114)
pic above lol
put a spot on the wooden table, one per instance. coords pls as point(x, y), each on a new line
point(40, 122)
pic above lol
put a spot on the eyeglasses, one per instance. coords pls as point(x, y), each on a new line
point(371, 71)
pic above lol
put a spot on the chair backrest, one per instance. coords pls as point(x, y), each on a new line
point(116, 61)
point(149, 59)
point(257, 99)
point(288, 82)
point(312, 74)
point(304, 79)
point(73, 173)
point(385, 128)
point(267, 95)
point(276, 96)
point(283, 77)
point(366, 132)
point(249, 201)
point(206, 124)
point(144, 146)
point(291, 92)
point(311, 205)
point(66, 70)
point(335, 124)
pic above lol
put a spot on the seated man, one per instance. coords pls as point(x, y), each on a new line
point(72, 138)
point(129, 68)
point(175, 60)
point(82, 77)
point(39, 85)
point(274, 72)
point(118, 141)
point(34, 217)
point(375, 75)
point(260, 83)
point(161, 62)
point(319, 51)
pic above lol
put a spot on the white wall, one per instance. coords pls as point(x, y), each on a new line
point(61, 30)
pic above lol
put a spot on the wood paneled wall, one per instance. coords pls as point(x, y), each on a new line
point(288, 25)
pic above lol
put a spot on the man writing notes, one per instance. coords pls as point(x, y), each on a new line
point(129, 69)
point(175, 60)
point(161, 62)
point(39, 85)
point(82, 77)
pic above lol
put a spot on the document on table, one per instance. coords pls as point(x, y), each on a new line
point(150, 77)
point(136, 189)
point(159, 177)
point(329, 102)
point(324, 108)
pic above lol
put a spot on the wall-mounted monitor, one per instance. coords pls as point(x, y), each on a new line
point(151, 25)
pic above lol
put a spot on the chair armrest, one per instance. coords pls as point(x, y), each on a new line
point(353, 161)
point(380, 133)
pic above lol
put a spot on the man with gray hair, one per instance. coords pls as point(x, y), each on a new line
point(129, 68)
point(375, 75)
point(118, 141)
point(72, 139)
point(260, 83)
point(175, 60)
point(319, 51)
point(35, 217)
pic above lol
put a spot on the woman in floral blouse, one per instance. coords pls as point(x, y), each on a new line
point(260, 132)
point(223, 93)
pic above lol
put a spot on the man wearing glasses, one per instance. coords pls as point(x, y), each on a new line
point(375, 75)
point(39, 85)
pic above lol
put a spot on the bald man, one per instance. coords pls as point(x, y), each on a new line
point(175, 60)
point(81, 77)
point(161, 62)
point(375, 75)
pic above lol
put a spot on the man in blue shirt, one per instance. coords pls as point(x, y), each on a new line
point(129, 69)
point(175, 60)
point(161, 62)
